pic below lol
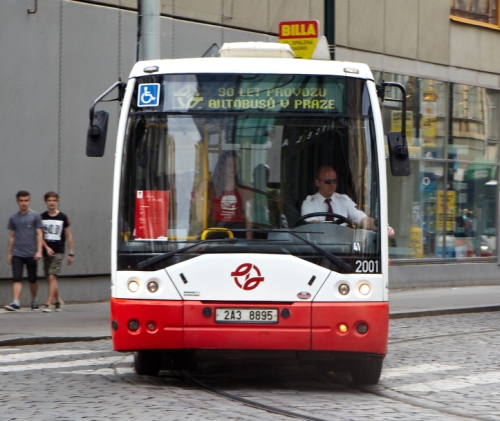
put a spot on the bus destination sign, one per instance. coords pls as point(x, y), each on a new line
point(274, 99)
point(310, 95)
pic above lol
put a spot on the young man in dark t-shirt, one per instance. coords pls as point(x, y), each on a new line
point(24, 249)
point(57, 231)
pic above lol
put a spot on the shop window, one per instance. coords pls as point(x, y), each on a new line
point(472, 198)
point(426, 114)
point(477, 12)
point(474, 127)
point(413, 211)
point(446, 209)
point(443, 216)
point(493, 123)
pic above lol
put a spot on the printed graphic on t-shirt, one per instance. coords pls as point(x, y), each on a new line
point(228, 206)
point(52, 229)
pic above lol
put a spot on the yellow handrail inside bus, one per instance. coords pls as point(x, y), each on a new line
point(206, 177)
point(180, 238)
point(216, 229)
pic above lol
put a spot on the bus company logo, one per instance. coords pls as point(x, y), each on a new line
point(303, 295)
point(247, 276)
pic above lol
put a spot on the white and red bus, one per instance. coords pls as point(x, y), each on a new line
point(211, 250)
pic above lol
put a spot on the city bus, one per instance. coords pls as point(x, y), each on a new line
point(214, 252)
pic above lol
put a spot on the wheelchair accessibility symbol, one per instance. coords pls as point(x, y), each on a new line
point(148, 95)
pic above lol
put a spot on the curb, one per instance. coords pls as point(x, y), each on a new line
point(44, 340)
point(442, 312)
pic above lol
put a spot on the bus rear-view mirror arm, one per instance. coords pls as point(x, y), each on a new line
point(96, 133)
point(398, 148)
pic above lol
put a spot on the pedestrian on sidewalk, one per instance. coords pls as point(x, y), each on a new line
point(57, 231)
point(24, 248)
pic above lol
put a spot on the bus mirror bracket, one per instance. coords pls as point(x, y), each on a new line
point(98, 126)
point(398, 149)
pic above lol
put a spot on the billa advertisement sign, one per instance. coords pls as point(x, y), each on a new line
point(151, 214)
point(301, 35)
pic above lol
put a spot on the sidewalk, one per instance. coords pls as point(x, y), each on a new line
point(85, 322)
point(439, 301)
point(77, 322)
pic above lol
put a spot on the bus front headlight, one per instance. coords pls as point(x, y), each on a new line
point(364, 289)
point(133, 284)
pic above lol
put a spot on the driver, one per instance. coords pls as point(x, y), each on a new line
point(327, 200)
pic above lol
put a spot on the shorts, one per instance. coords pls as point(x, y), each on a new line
point(52, 264)
point(17, 268)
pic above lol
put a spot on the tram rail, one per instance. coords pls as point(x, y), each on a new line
point(317, 380)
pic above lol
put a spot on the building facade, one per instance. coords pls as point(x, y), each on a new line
point(445, 55)
point(59, 55)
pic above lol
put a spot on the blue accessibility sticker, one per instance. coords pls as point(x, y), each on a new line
point(149, 95)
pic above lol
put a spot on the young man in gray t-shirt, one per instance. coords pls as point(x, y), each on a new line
point(24, 248)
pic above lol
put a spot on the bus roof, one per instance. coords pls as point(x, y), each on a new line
point(251, 65)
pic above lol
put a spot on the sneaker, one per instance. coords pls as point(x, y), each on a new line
point(34, 306)
point(59, 306)
point(12, 307)
point(47, 309)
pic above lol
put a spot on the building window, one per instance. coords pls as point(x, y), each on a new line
point(478, 12)
point(447, 208)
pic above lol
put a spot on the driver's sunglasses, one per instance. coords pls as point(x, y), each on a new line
point(329, 180)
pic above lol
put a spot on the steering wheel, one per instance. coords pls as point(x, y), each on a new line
point(340, 219)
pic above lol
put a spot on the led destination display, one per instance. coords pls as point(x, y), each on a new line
point(272, 93)
point(272, 99)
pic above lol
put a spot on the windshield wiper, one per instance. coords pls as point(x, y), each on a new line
point(157, 259)
point(346, 267)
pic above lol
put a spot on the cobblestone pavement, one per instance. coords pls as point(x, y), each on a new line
point(437, 368)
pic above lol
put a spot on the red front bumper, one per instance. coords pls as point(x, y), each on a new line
point(310, 327)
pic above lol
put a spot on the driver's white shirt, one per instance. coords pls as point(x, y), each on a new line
point(341, 204)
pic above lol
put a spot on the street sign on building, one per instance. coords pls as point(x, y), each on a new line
point(301, 35)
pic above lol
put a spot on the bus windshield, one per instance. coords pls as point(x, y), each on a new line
point(251, 158)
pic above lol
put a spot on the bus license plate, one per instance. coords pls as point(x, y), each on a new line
point(246, 315)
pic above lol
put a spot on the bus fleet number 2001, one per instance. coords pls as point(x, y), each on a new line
point(367, 266)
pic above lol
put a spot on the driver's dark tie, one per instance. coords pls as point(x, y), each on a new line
point(328, 202)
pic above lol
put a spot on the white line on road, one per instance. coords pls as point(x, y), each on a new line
point(453, 383)
point(61, 364)
point(99, 371)
point(129, 359)
point(30, 356)
point(417, 369)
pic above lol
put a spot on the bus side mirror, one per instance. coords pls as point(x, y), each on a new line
point(398, 154)
point(98, 127)
point(398, 150)
point(96, 134)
